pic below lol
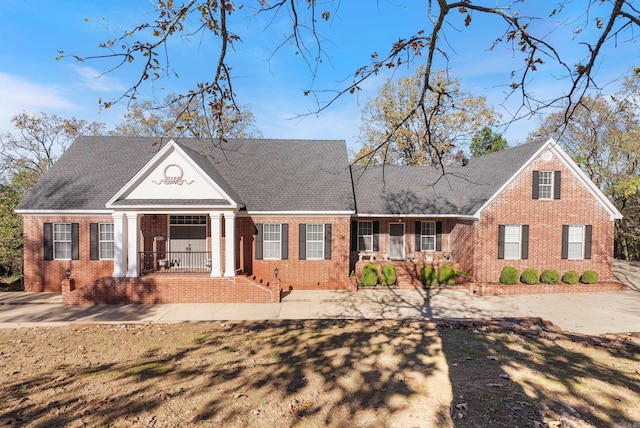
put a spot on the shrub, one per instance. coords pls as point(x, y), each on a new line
point(369, 276)
point(509, 275)
point(446, 275)
point(428, 276)
point(570, 277)
point(549, 276)
point(388, 275)
point(530, 276)
point(589, 277)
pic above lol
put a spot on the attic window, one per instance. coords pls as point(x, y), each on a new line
point(545, 185)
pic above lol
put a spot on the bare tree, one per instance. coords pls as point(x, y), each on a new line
point(609, 22)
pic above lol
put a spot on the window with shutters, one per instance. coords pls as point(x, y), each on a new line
point(271, 243)
point(575, 242)
point(365, 236)
point(545, 185)
point(62, 242)
point(315, 241)
point(428, 236)
point(105, 231)
point(512, 241)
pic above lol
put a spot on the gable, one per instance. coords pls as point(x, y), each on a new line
point(172, 177)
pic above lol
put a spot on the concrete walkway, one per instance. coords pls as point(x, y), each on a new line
point(587, 313)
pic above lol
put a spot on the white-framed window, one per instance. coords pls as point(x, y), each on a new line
point(428, 236)
point(365, 236)
point(188, 219)
point(575, 242)
point(315, 241)
point(62, 243)
point(545, 185)
point(271, 241)
point(512, 241)
point(105, 236)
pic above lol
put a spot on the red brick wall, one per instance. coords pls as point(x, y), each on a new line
point(545, 219)
point(294, 273)
point(462, 248)
point(46, 275)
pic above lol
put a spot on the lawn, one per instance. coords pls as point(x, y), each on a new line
point(316, 373)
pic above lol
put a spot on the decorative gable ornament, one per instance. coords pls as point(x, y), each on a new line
point(173, 175)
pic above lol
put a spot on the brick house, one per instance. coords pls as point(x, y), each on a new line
point(139, 220)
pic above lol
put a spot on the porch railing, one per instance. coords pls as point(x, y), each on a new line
point(175, 261)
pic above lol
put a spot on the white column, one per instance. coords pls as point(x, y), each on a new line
point(132, 244)
point(216, 244)
point(230, 243)
point(119, 243)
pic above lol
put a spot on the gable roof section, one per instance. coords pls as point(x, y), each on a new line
point(461, 191)
point(263, 175)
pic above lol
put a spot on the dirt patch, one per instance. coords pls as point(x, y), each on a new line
point(317, 373)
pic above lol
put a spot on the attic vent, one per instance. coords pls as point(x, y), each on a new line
point(465, 161)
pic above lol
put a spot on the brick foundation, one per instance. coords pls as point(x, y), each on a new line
point(168, 288)
point(516, 289)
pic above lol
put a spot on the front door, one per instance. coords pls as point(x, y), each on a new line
point(188, 241)
point(396, 241)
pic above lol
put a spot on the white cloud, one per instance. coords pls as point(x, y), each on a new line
point(97, 81)
point(20, 94)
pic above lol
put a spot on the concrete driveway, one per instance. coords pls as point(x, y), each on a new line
point(586, 313)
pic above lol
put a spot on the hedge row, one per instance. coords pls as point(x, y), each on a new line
point(510, 275)
point(446, 275)
point(369, 278)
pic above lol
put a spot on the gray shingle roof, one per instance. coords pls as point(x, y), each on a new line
point(461, 190)
point(263, 175)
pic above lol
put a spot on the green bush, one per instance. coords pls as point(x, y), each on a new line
point(570, 277)
point(530, 276)
point(428, 276)
point(509, 275)
point(589, 277)
point(388, 275)
point(446, 275)
point(369, 276)
point(549, 276)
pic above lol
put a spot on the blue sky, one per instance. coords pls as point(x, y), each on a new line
point(271, 85)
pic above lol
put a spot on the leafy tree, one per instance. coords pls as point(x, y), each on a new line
point(24, 158)
point(603, 137)
point(39, 141)
point(598, 26)
point(179, 118)
point(391, 134)
point(486, 141)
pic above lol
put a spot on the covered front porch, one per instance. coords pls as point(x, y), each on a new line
point(174, 242)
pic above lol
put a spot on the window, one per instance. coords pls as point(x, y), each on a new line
point(545, 185)
point(575, 242)
point(512, 242)
point(62, 242)
point(271, 241)
point(106, 240)
point(365, 236)
point(315, 241)
point(188, 219)
point(428, 236)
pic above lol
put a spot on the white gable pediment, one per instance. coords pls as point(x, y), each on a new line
point(172, 175)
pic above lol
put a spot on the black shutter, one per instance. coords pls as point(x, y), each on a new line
point(94, 241)
point(259, 242)
point(327, 241)
point(354, 235)
point(302, 241)
point(418, 234)
point(524, 243)
point(376, 235)
point(438, 236)
point(284, 251)
point(535, 184)
point(557, 179)
point(565, 241)
point(75, 239)
point(587, 241)
point(501, 241)
point(48, 241)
